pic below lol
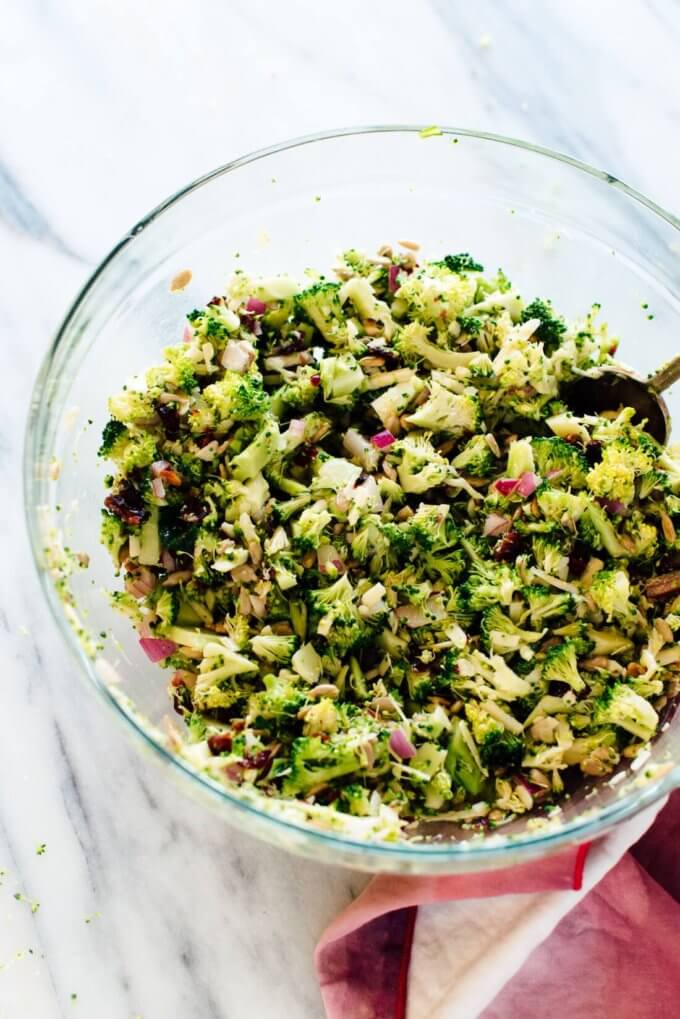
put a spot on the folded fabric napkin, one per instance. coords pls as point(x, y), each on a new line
point(497, 944)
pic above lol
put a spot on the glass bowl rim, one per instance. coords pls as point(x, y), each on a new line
point(483, 850)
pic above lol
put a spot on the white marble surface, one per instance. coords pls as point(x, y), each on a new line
point(106, 108)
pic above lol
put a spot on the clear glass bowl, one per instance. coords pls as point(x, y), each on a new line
point(559, 228)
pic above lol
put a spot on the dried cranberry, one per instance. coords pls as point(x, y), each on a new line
point(213, 301)
point(204, 438)
point(294, 341)
point(315, 380)
point(192, 510)
point(557, 688)
point(593, 452)
point(306, 454)
point(578, 560)
point(169, 416)
point(127, 504)
point(261, 761)
point(508, 547)
point(220, 743)
point(238, 725)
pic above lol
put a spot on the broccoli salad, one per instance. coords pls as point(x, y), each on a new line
point(392, 577)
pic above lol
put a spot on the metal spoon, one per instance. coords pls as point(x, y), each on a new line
point(619, 387)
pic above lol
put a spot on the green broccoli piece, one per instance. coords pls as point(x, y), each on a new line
point(356, 800)
point(490, 584)
point(501, 750)
point(271, 647)
point(598, 531)
point(419, 466)
point(552, 453)
point(444, 411)
point(283, 510)
point(476, 458)
point(550, 554)
point(546, 603)
point(132, 407)
point(298, 394)
point(520, 458)
point(619, 705)
point(391, 404)
point(609, 642)
point(307, 530)
point(342, 379)
point(314, 763)
point(434, 295)
point(615, 475)
point(322, 306)
point(279, 702)
point(182, 372)
point(370, 545)
point(215, 322)
point(556, 505)
point(552, 328)
point(113, 430)
point(463, 762)
point(250, 461)
point(413, 344)
point(610, 590)
point(236, 397)
point(133, 450)
point(113, 535)
point(463, 262)
point(427, 526)
point(501, 636)
point(167, 606)
point(286, 569)
point(338, 617)
point(560, 665)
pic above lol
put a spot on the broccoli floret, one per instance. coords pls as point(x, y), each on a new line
point(307, 530)
point(286, 568)
point(619, 705)
point(132, 407)
point(444, 411)
point(215, 684)
point(180, 369)
point(502, 636)
point(133, 450)
point(520, 458)
point(298, 394)
point(598, 532)
point(643, 536)
point(462, 262)
point(391, 404)
point(615, 475)
point(342, 379)
point(279, 702)
point(113, 535)
point(490, 584)
point(560, 506)
point(560, 666)
point(314, 763)
point(356, 800)
point(339, 621)
point(214, 322)
point(166, 606)
point(609, 642)
point(370, 545)
point(419, 466)
point(321, 304)
point(463, 762)
point(413, 344)
point(250, 461)
point(427, 526)
point(555, 454)
point(546, 603)
point(550, 555)
point(358, 290)
point(552, 327)
point(237, 397)
point(271, 647)
point(481, 723)
point(113, 430)
point(501, 750)
point(610, 590)
point(476, 458)
point(435, 294)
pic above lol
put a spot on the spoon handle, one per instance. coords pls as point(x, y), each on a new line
point(665, 376)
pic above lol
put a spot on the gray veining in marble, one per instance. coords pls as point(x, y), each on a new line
point(107, 108)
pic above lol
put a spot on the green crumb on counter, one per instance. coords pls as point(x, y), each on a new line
point(430, 132)
point(40, 849)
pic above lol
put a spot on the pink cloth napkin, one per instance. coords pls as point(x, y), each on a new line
point(627, 923)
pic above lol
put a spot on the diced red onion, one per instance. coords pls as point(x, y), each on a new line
point(157, 649)
point(296, 428)
point(614, 506)
point(495, 524)
point(158, 466)
point(392, 274)
point(555, 473)
point(506, 486)
point(234, 772)
point(527, 484)
point(400, 744)
point(256, 306)
point(381, 440)
point(158, 488)
point(188, 334)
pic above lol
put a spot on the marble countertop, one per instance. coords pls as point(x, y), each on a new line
point(142, 904)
